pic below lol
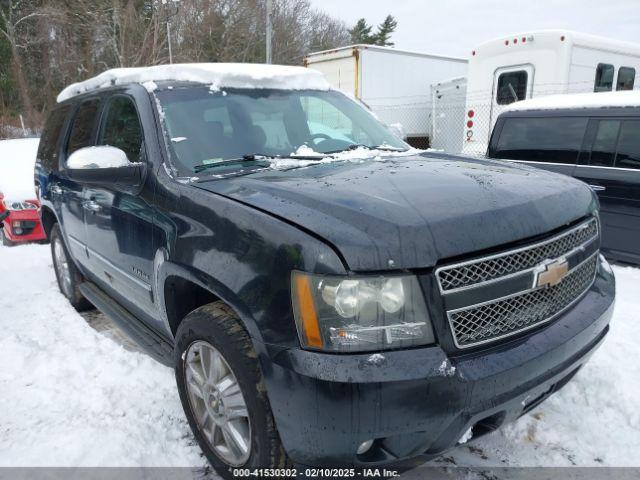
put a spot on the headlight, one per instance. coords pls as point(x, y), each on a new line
point(353, 314)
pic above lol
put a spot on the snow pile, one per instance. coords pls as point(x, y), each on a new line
point(70, 396)
point(359, 154)
point(217, 75)
point(17, 160)
point(630, 98)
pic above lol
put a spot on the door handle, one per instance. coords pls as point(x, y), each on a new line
point(597, 188)
point(56, 189)
point(92, 206)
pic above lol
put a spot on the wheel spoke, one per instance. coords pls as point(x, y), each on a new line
point(238, 412)
point(204, 417)
point(196, 374)
point(217, 367)
point(234, 440)
point(196, 389)
point(228, 385)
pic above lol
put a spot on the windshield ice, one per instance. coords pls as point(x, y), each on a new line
point(206, 127)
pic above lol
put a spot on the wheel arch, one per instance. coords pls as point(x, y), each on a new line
point(181, 290)
point(48, 219)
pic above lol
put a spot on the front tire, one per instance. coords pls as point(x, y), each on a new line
point(223, 392)
point(68, 276)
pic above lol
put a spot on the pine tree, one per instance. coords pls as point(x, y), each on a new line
point(361, 33)
point(385, 29)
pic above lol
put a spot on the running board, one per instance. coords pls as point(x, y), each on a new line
point(152, 343)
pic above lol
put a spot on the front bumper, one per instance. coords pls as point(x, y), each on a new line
point(30, 227)
point(421, 401)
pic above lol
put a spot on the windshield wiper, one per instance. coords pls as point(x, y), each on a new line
point(251, 157)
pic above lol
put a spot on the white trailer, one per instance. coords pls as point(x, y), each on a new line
point(394, 84)
point(447, 106)
point(526, 65)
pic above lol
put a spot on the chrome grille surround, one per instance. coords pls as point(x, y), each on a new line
point(510, 315)
point(499, 295)
point(467, 274)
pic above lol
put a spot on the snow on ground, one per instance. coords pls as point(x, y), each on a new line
point(17, 159)
point(72, 396)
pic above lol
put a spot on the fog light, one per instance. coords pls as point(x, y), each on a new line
point(364, 447)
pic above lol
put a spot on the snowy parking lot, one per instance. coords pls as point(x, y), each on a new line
point(74, 394)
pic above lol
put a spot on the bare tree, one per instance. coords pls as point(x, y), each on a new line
point(16, 16)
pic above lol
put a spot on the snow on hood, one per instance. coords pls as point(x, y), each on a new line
point(629, 98)
point(359, 155)
point(17, 160)
point(218, 75)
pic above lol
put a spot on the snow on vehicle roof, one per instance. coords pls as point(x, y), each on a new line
point(218, 75)
point(629, 98)
point(17, 160)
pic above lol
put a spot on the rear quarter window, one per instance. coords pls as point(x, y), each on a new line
point(541, 139)
point(50, 139)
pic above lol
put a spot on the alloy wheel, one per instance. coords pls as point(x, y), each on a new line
point(62, 266)
point(217, 403)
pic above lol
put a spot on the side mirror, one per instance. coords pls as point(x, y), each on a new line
point(4, 215)
point(104, 165)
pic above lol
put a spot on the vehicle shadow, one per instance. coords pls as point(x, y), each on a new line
point(103, 325)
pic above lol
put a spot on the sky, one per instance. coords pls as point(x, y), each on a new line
point(455, 27)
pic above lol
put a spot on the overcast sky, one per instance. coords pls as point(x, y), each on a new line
point(456, 26)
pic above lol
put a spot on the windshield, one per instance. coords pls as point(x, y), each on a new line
point(206, 127)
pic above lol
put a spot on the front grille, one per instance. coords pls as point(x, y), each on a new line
point(489, 268)
point(503, 317)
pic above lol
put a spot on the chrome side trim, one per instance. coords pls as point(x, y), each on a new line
point(580, 226)
point(145, 286)
point(79, 245)
point(524, 292)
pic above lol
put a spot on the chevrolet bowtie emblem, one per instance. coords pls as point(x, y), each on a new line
point(550, 273)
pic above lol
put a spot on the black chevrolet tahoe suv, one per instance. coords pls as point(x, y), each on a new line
point(327, 296)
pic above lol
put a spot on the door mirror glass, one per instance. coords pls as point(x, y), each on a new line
point(97, 157)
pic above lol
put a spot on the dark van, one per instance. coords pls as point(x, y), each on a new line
point(326, 295)
point(599, 145)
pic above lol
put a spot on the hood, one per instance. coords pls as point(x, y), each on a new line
point(413, 212)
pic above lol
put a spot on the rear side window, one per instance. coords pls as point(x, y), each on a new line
point(604, 78)
point(512, 86)
point(121, 128)
point(48, 149)
point(540, 139)
point(626, 78)
point(603, 149)
point(83, 125)
point(628, 155)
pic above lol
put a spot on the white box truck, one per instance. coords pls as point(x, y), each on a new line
point(448, 99)
point(394, 84)
point(526, 65)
